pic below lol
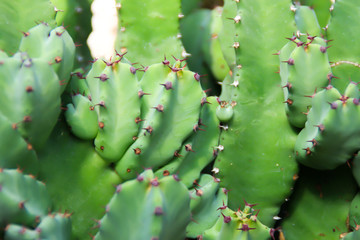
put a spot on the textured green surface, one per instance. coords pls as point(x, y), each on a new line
point(226, 36)
point(169, 128)
point(54, 46)
point(33, 89)
point(211, 46)
point(149, 37)
point(160, 207)
point(205, 204)
point(302, 72)
point(54, 226)
point(18, 16)
point(78, 180)
point(306, 21)
point(76, 16)
point(238, 225)
point(320, 205)
point(194, 29)
point(14, 149)
point(321, 8)
point(22, 198)
point(354, 213)
point(331, 134)
point(204, 144)
point(345, 51)
point(259, 140)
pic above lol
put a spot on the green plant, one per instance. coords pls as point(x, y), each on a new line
point(196, 111)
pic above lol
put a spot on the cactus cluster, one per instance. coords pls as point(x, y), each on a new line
point(202, 105)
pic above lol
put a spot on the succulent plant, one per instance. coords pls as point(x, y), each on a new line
point(201, 105)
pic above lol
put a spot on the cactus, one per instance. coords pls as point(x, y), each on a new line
point(89, 182)
point(144, 121)
point(23, 199)
point(344, 59)
point(155, 108)
point(55, 46)
point(318, 210)
point(18, 17)
point(145, 44)
point(25, 202)
point(52, 226)
point(205, 205)
point(252, 140)
point(304, 69)
point(330, 137)
point(161, 207)
point(240, 224)
point(76, 15)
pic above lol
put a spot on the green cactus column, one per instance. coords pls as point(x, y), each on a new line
point(19, 16)
point(320, 205)
point(343, 29)
point(257, 161)
point(147, 208)
point(149, 29)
